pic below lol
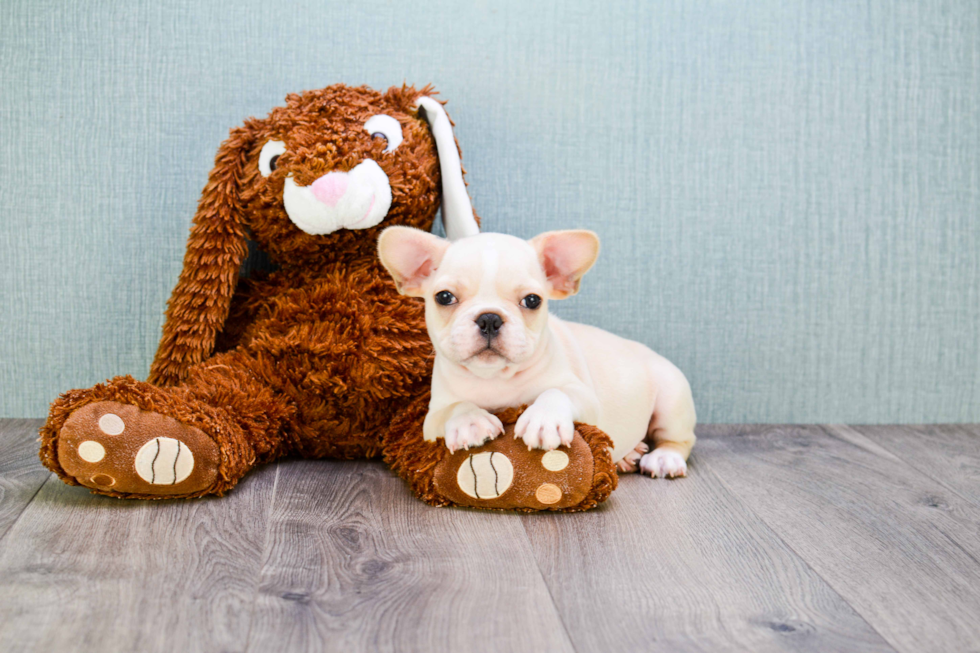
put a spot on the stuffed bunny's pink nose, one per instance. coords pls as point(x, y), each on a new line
point(330, 187)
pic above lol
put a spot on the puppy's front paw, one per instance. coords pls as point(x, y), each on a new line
point(664, 463)
point(547, 423)
point(471, 429)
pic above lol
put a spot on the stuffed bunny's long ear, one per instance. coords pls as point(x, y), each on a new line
point(199, 304)
point(457, 212)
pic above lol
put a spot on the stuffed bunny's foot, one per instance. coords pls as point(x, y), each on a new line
point(115, 447)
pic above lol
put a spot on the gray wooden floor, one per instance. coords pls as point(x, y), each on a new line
point(813, 538)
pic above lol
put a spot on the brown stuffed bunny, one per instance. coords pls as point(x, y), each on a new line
point(320, 357)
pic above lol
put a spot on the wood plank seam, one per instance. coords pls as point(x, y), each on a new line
point(901, 458)
point(24, 508)
point(265, 554)
point(704, 464)
point(544, 581)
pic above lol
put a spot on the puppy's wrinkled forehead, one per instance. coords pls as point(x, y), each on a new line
point(489, 264)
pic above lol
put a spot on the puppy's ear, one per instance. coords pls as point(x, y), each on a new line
point(410, 256)
point(565, 256)
point(198, 306)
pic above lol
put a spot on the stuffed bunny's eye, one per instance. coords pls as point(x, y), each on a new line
point(269, 156)
point(386, 127)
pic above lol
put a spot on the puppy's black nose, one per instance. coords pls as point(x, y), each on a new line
point(489, 324)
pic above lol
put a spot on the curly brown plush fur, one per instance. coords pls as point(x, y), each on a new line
point(317, 358)
point(323, 131)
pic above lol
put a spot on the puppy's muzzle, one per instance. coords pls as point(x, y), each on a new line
point(489, 325)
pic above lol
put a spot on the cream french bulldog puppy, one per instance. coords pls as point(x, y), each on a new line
point(486, 309)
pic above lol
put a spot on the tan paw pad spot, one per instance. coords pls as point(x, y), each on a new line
point(548, 493)
point(485, 475)
point(103, 480)
point(554, 461)
point(111, 424)
point(91, 451)
point(164, 461)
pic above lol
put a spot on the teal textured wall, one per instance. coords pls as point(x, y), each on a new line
point(788, 193)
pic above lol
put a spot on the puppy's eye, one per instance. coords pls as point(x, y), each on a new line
point(386, 127)
point(531, 301)
point(269, 157)
point(445, 298)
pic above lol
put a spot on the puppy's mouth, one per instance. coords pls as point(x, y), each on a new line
point(488, 354)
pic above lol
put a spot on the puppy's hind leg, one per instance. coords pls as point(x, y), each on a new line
point(631, 461)
point(671, 428)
